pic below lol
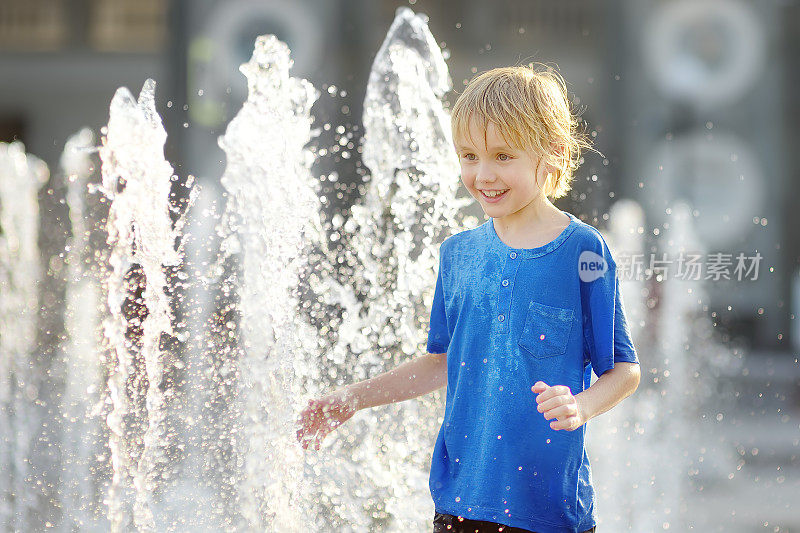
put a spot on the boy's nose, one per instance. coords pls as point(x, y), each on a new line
point(485, 176)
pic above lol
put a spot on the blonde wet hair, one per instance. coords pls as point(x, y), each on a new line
point(530, 108)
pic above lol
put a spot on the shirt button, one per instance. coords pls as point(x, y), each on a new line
point(501, 318)
point(505, 283)
point(513, 255)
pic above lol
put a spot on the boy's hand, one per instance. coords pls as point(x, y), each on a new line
point(323, 415)
point(559, 403)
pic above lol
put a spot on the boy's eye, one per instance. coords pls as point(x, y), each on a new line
point(503, 157)
point(469, 157)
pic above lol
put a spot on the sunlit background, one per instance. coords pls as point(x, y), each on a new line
point(693, 108)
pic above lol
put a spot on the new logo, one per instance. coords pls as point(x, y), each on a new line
point(591, 266)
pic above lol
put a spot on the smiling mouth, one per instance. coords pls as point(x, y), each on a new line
point(495, 197)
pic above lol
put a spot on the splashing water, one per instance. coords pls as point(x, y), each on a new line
point(137, 179)
point(82, 402)
point(21, 176)
point(272, 210)
point(384, 299)
point(410, 199)
point(270, 223)
point(659, 424)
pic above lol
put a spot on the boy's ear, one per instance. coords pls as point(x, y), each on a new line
point(550, 182)
point(551, 169)
point(557, 148)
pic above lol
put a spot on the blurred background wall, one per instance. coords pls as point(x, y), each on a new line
point(685, 99)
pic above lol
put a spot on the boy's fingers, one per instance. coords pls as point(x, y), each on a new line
point(560, 412)
point(568, 423)
point(553, 402)
point(558, 424)
point(539, 386)
point(310, 438)
point(543, 392)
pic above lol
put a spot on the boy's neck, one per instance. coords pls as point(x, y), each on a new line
point(534, 225)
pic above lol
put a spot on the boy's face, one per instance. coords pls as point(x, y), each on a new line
point(502, 178)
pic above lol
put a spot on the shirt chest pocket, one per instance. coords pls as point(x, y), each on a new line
point(546, 331)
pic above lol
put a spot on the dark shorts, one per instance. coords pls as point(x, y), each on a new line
point(441, 522)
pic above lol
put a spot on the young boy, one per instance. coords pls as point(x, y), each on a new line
point(526, 305)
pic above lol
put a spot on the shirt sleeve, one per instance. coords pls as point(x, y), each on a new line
point(607, 337)
point(438, 334)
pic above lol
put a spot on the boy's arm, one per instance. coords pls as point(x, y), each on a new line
point(609, 389)
point(423, 374)
point(571, 412)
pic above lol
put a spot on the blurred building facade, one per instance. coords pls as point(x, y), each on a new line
point(62, 60)
point(685, 100)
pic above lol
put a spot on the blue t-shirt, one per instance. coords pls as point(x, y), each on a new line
point(507, 318)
